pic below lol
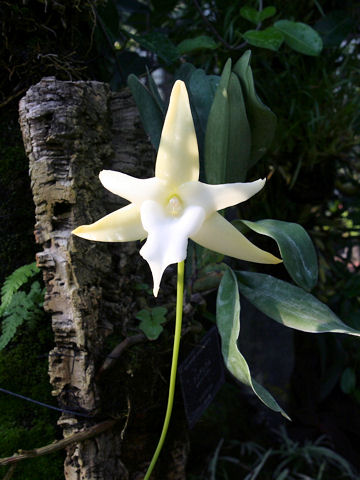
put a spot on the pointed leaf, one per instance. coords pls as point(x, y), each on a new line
point(201, 92)
point(217, 131)
point(228, 322)
point(155, 92)
point(184, 72)
point(296, 248)
point(290, 305)
point(269, 38)
point(300, 37)
point(239, 144)
point(261, 119)
point(151, 115)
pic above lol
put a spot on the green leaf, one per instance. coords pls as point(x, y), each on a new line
point(267, 12)
point(201, 88)
point(155, 92)
point(150, 113)
point(269, 38)
point(158, 314)
point(184, 72)
point(239, 141)
point(217, 131)
point(202, 91)
point(15, 315)
point(300, 37)
point(228, 322)
point(151, 321)
point(23, 307)
point(348, 380)
point(335, 27)
point(202, 42)
point(160, 44)
point(255, 16)
point(14, 282)
point(143, 315)
point(289, 305)
point(296, 248)
point(251, 14)
point(261, 119)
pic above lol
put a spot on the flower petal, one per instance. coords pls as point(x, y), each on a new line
point(219, 235)
point(230, 194)
point(167, 236)
point(178, 157)
point(217, 197)
point(136, 190)
point(123, 225)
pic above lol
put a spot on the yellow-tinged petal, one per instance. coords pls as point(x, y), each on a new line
point(136, 190)
point(229, 194)
point(217, 197)
point(219, 235)
point(178, 157)
point(123, 225)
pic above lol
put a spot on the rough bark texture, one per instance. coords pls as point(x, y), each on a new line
point(71, 131)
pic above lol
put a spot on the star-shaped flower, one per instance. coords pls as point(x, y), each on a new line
point(173, 206)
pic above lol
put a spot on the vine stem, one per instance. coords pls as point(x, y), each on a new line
point(175, 356)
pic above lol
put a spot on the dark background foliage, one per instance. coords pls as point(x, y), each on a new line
point(314, 165)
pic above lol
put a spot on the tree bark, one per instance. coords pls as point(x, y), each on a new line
point(71, 131)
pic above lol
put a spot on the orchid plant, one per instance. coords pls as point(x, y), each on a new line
point(174, 206)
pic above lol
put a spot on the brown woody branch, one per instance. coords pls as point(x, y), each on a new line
point(58, 445)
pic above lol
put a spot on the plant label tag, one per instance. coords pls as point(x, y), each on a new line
point(201, 376)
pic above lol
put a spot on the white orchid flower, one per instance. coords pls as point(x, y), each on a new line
point(173, 206)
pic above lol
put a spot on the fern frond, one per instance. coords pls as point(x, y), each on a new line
point(16, 316)
point(23, 307)
point(14, 281)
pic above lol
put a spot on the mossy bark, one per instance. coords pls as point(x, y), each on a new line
point(71, 131)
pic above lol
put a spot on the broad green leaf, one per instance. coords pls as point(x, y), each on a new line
point(335, 27)
point(239, 142)
point(202, 42)
point(150, 113)
point(261, 119)
point(296, 248)
point(228, 322)
point(300, 37)
point(256, 16)
point(290, 305)
point(217, 131)
point(269, 38)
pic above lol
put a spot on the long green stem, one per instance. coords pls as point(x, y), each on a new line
point(175, 356)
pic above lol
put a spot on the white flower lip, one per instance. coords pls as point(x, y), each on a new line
point(173, 206)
